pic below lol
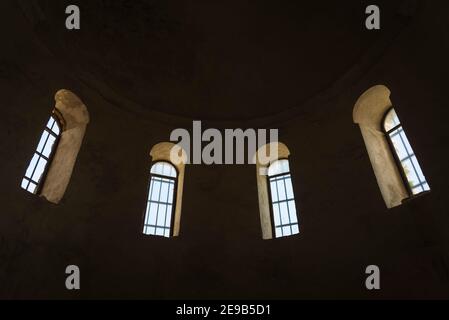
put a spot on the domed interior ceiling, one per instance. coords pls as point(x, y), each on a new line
point(217, 60)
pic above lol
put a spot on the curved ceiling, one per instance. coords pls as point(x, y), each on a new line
point(214, 60)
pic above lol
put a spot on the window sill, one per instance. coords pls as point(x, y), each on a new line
point(416, 196)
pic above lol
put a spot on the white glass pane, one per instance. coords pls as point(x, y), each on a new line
point(284, 213)
point(56, 129)
point(426, 187)
point(48, 147)
point(151, 230)
point(152, 212)
point(41, 144)
point(50, 123)
point(170, 194)
point(274, 195)
point(32, 188)
point(287, 231)
point(164, 192)
point(24, 184)
point(278, 232)
point(399, 146)
point(410, 173)
point(418, 169)
point(39, 169)
point(157, 168)
point(168, 217)
point(278, 167)
point(159, 231)
point(293, 214)
point(391, 120)
point(295, 229)
point(161, 215)
point(167, 233)
point(406, 142)
point(276, 215)
point(289, 187)
point(163, 169)
point(417, 190)
point(31, 166)
point(156, 189)
point(281, 190)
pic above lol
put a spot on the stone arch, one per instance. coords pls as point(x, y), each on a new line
point(174, 154)
point(265, 156)
point(369, 112)
point(74, 117)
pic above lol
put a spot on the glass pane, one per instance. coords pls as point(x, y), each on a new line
point(276, 215)
point(292, 209)
point(274, 194)
point(24, 184)
point(50, 123)
point(56, 128)
point(168, 217)
point(41, 144)
point(32, 188)
point(391, 120)
point(278, 167)
point(289, 187)
point(287, 231)
point(39, 169)
point(164, 169)
point(155, 190)
point(295, 229)
point(159, 231)
point(170, 194)
point(164, 192)
point(161, 215)
point(285, 219)
point(167, 233)
point(48, 147)
point(417, 190)
point(278, 232)
point(418, 170)
point(412, 177)
point(281, 190)
point(152, 212)
point(399, 146)
point(406, 142)
point(32, 165)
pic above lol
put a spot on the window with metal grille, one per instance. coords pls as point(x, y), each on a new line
point(412, 173)
point(38, 167)
point(161, 198)
point(284, 217)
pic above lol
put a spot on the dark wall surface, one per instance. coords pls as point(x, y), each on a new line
point(299, 68)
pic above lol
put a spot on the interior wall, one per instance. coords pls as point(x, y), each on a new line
point(220, 253)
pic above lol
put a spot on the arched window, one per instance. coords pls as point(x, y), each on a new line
point(283, 208)
point(51, 167)
point(278, 213)
point(395, 165)
point(412, 174)
point(38, 167)
point(161, 199)
point(162, 215)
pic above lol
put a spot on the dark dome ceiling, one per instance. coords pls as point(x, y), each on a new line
point(216, 60)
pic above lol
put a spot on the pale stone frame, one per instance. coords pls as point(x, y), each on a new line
point(74, 117)
point(369, 113)
point(163, 152)
point(263, 159)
